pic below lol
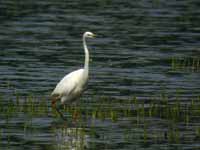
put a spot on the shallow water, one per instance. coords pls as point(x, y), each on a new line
point(40, 42)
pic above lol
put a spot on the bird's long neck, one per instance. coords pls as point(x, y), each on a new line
point(86, 66)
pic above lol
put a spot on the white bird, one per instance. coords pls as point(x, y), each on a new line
point(73, 84)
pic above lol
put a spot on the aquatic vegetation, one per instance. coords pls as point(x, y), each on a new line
point(198, 132)
point(159, 119)
point(191, 64)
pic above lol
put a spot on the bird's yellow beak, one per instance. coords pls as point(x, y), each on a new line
point(94, 35)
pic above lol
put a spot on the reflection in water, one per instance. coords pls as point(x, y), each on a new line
point(71, 138)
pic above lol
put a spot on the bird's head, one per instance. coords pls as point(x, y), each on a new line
point(89, 35)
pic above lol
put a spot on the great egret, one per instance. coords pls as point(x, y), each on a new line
point(74, 83)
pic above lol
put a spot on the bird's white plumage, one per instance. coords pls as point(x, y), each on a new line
point(73, 84)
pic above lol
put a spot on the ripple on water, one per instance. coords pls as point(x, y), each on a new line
point(40, 42)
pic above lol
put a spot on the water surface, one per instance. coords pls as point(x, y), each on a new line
point(41, 41)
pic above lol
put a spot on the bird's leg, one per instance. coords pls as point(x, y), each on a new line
point(75, 115)
point(59, 112)
point(57, 108)
point(54, 99)
point(53, 103)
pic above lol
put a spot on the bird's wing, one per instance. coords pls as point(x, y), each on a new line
point(68, 83)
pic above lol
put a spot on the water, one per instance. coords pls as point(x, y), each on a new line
point(40, 42)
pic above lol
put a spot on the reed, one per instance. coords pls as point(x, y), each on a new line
point(1, 136)
point(198, 132)
point(191, 64)
point(161, 107)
